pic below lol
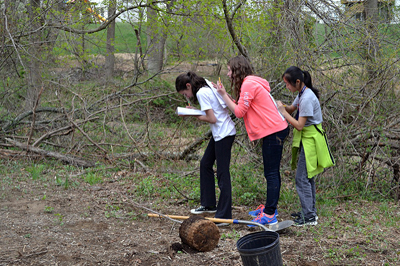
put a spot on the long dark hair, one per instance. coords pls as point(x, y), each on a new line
point(294, 73)
point(240, 68)
point(193, 79)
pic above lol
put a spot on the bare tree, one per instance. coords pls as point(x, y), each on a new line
point(156, 39)
point(371, 35)
point(35, 66)
point(110, 58)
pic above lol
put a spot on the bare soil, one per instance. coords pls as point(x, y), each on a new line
point(105, 224)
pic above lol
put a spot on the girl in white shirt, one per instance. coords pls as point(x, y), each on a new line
point(219, 147)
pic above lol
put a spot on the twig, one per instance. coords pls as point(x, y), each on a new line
point(81, 130)
point(181, 193)
point(48, 134)
point(25, 114)
point(343, 196)
point(11, 37)
point(142, 165)
point(34, 116)
point(126, 128)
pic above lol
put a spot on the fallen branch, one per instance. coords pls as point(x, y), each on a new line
point(10, 124)
point(151, 155)
point(51, 133)
point(67, 159)
point(4, 153)
point(34, 254)
point(343, 196)
point(34, 116)
point(192, 147)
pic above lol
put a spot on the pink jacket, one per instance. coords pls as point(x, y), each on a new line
point(260, 114)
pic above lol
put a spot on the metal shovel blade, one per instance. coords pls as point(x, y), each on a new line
point(281, 225)
point(276, 227)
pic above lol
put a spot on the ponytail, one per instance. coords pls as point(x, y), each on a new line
point(193, 79)
point(294, 73)
point(308, 83)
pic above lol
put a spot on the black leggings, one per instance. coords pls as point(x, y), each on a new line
point(219, 151)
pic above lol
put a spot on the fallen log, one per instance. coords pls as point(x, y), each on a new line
point(199, 233)
point(59, 156)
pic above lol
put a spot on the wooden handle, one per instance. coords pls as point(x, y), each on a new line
point(215, 220)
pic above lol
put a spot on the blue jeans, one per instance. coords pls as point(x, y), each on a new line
point(272, 148)
point(305, 187)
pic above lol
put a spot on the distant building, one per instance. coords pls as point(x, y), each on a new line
point(356, 9)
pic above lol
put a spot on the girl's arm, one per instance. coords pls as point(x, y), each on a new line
point(240, 108)
point(209, 117)
point(286, 112)
point(298, 124)
point(290, 109)
point(226, 97)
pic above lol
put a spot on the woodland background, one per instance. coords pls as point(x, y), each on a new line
point(62, 96)
point(85, 100)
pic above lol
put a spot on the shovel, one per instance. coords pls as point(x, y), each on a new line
point(276, 227)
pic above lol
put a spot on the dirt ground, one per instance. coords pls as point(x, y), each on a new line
point(45, 224)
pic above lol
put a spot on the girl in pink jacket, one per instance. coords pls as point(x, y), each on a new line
point(263, 121)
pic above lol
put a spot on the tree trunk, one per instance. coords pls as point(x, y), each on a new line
point(34, 78)
point(229, 23)
point(110, 58)
point(294, 27)
point(371, 40)
point(156, 39)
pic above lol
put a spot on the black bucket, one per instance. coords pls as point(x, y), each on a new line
point(260, 248)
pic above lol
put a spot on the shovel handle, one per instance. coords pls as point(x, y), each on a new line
point(276, 227)
point(215, 220)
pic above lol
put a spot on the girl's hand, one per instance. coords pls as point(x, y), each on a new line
point(190, 107)
point(281, 107)
point(220, 88)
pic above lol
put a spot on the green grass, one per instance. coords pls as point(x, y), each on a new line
point(35, 170)
point(95, 43)
point(126, 41)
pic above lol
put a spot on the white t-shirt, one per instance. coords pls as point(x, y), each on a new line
point(224, 126)
point(309, 107)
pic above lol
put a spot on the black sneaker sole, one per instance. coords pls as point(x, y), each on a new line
point(295, 215)
point(307, 223)
point(221, 224)
point(298, 215)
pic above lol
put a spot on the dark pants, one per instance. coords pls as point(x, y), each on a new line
point(219, 151)
point(272, 148)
